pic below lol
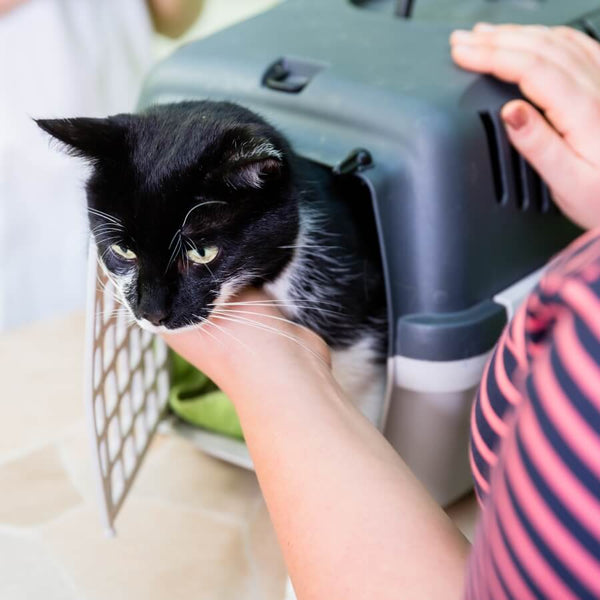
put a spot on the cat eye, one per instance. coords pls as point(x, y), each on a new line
point(123, 252)
point(202, 256)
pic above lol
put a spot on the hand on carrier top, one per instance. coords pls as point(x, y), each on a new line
point(558, 70)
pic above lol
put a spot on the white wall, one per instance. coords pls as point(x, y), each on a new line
point(63, 58)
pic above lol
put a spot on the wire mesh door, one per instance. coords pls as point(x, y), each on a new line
point(126, 390)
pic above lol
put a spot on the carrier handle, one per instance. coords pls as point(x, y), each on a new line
point(280, 78)
point(404, 8)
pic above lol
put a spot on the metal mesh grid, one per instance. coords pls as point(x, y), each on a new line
point(127, 388)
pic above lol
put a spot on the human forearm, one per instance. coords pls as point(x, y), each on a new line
point(352, 520)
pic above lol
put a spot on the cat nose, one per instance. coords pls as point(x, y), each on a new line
point(156, 317)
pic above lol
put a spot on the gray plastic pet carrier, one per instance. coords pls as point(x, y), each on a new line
point(464, 223)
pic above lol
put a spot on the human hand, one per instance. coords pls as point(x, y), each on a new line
point(557, 69)
point(248, 337)
point(6, 5)
point(174, 17)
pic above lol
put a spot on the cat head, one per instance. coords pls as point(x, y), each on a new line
point(188, 203)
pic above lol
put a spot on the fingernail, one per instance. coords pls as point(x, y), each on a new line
point(485, 27)
point(461, 35)
point(515, 118)
point(462, 49)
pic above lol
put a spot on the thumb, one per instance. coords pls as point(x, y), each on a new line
point(543, 147)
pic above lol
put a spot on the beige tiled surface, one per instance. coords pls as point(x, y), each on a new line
point(178, 474)
point(29, 571)
point(193, 528)
point(162, 552)
point(35, 488)
point(38, 392)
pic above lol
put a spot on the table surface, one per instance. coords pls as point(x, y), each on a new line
point(51, 541)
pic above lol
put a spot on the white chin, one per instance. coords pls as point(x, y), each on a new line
point(145, 324)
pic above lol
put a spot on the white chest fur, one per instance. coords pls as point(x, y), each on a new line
point(354, 368)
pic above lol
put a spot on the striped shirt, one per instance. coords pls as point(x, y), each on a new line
point(535, 442)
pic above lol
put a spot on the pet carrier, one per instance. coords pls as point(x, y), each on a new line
point(464, 223)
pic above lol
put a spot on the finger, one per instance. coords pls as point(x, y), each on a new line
point(514, 66)
point(547, 152)
point(582, 40)
point(539, 41)
point(551, 88)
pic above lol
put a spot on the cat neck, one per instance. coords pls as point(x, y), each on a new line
point(331, 284)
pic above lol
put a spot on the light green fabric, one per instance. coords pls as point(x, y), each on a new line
point(197, 400)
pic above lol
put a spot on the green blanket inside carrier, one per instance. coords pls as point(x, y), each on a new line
point(194, 398)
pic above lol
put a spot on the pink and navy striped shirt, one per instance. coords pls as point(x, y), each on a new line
point(535, 442)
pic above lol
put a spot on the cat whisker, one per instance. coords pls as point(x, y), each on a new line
point(176, 249)
point(116, 313)
point(108, 241)
point(227, 333)
point(204, 322)
point(272, 301)
point(210, 333)
point(110, 280)
point(102, 283)
point(110, 313)
point(303, 304)
point(122, 307)
point(248, 312)
point(103, 215)
point(103, 271)
point(310, 247)
point(307, 308)
point(111, 224)
point(178, 232)
point(211, 273)
point(263, 327)
point(192, 246)
point(105, 231)
point(101, 258)
point(205, 203)
point(115, 291)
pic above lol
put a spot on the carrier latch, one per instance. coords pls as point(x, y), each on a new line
point(291, 75)
point(357, 160)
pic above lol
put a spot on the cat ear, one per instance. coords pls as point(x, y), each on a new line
point(86, 137)
point(251, 165)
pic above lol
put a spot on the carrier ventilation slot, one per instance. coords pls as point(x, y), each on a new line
point(589, 30)
point(590, 24)
point(494, 148)
point(514, 178)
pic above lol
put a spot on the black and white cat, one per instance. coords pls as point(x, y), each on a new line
point(190, 202)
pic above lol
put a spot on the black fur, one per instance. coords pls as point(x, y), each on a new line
point(151, 169)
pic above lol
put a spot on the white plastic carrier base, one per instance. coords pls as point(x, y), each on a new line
point(127, 387)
